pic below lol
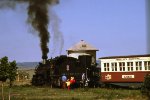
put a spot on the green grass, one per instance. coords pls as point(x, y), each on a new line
point(47, 93)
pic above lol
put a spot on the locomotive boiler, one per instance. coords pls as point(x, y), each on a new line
point(50, 71)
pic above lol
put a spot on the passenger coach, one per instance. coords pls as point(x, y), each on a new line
point(124, 69)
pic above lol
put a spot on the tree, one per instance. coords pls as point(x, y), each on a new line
point(12, 72)
point(146, 86)
point(3, 71)
point(4, 65)
point(8, 70)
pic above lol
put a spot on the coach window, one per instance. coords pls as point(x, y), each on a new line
point(122, 66)
point(138, 65)
point(147, 65)
point(114, 66)
point(106, 66)
point(130, 66)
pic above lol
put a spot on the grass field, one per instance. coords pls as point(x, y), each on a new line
point(47, 93)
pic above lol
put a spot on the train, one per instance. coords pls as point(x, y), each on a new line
point(49, 72)
point(124, 71)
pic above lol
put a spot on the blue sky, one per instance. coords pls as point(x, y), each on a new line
point(115, 27)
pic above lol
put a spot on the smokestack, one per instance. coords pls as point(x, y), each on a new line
point(44, 59)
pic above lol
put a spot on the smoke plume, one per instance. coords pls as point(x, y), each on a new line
point(38, 17)
point(39, 20)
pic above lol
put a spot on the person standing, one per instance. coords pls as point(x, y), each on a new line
point(68, 84)
point(83, 79)
point(63, 79)
point(72, 83)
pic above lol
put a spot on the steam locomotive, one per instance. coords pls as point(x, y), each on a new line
point(50, 71)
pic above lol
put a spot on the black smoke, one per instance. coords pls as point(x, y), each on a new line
point(38, 18)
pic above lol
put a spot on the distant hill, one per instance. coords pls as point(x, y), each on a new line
point(27, 65)
point(32, 65)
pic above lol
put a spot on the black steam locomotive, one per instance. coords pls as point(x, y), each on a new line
point(50, 71)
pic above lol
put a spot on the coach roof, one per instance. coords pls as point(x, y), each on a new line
point(127, 56)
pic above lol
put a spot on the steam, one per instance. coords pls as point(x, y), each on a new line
point(57, 34)
point(10, 3)
point(38, 18)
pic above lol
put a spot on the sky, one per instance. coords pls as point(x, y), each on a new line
point(115, 27)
